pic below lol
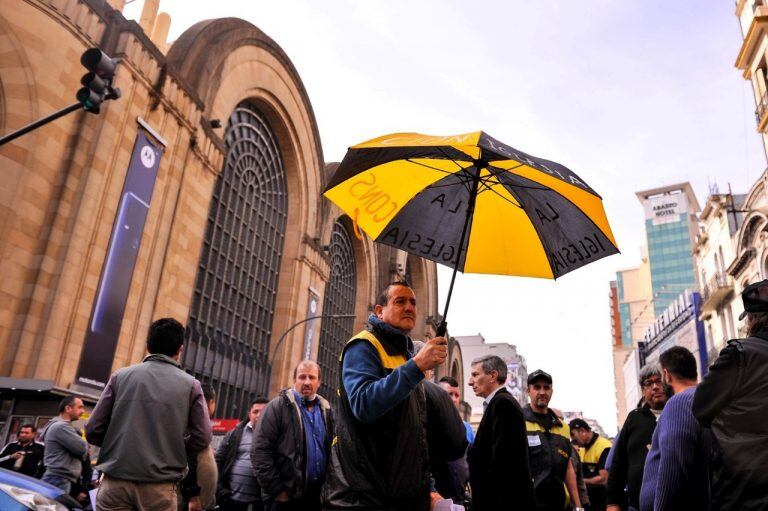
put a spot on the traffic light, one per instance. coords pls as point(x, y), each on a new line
point(97, 83)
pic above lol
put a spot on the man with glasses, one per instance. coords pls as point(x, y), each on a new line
point(626, 472)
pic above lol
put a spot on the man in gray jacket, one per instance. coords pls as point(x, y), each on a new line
point(149, 416)
point(65, 449)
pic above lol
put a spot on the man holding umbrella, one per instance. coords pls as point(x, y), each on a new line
point(379, 456)
point(474, 204)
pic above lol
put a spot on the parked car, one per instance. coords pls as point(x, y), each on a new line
point(19, 492)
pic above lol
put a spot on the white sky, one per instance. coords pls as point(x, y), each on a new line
point(629, 95)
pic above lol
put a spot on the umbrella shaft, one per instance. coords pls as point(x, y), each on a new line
point(470, 210)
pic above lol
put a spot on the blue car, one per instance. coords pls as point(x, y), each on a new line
point(23, 493)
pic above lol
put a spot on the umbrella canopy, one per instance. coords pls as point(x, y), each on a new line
point(532, 217)
point(472, 203)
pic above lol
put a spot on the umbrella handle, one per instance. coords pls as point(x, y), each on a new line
point(442, 328)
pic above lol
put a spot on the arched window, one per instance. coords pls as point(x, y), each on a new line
point(339, 299)
point(750, 230)
point(230, 320)
point(765, 267)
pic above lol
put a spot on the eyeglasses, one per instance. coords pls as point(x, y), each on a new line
point(650, 383)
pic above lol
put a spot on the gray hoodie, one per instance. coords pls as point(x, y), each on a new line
point(64, 449)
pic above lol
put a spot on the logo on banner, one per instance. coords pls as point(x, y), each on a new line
point(147, 156)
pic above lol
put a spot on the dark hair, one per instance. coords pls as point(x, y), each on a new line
point(679, 362)
point(383, 297)
point(450, 380)
point(166, 335)
point(493, 363)
point(67, 401)
point(310, 363)
point(756, 322)
point(28, 425)
point(209, 393)
point(258, 401)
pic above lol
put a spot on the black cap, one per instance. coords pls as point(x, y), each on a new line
point(755, 298)
point(579, 424)
point(538, 374)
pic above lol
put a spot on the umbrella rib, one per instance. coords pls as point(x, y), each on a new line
point(488, 188)
point(498, 170)
point(434, 168)
point(448, 157)
point(465, 177)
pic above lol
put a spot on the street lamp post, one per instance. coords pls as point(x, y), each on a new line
point(271, 360)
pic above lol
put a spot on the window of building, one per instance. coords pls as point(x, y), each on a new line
point(230, 320)
point(339, 299)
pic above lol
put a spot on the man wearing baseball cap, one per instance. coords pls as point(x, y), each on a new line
point(732, 401)
point(593, 452)
point(549, 449)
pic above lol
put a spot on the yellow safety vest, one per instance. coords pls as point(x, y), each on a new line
point(390, 362)
point(590, 457)
point(534, 428)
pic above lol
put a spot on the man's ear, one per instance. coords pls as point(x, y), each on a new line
point(377, 309)
point(177, 356)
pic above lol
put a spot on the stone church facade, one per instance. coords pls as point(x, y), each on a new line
point(236, 240)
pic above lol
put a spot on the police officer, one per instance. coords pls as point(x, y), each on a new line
point(549, 448)
point(731, 400)
point(593, 452)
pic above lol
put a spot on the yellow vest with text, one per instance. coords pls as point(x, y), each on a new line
point(535, 429)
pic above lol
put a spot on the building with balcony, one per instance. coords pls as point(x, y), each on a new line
point(714, 250)
point(751, 60)
point(750, 245)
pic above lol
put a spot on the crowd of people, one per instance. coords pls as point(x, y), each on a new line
point(397, 441)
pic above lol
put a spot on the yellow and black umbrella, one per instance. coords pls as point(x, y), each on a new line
point(472, 203)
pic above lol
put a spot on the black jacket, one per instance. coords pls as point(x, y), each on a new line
point(499, 470)
point(447, 443)
point(382, 465)
point(226, 455)
point(732, 400)
point(279, 452)
point(629, 454)
point(32, 465)
point(549, 453)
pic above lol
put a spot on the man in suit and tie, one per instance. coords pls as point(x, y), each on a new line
point(498, 459)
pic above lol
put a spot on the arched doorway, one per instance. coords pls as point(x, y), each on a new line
point(230, 320)
point(339, 299)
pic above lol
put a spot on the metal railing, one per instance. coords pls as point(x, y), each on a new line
point(715, 283)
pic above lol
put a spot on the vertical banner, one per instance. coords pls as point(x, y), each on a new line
point(117, 272)
point(309, 337)
point(701, 336)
